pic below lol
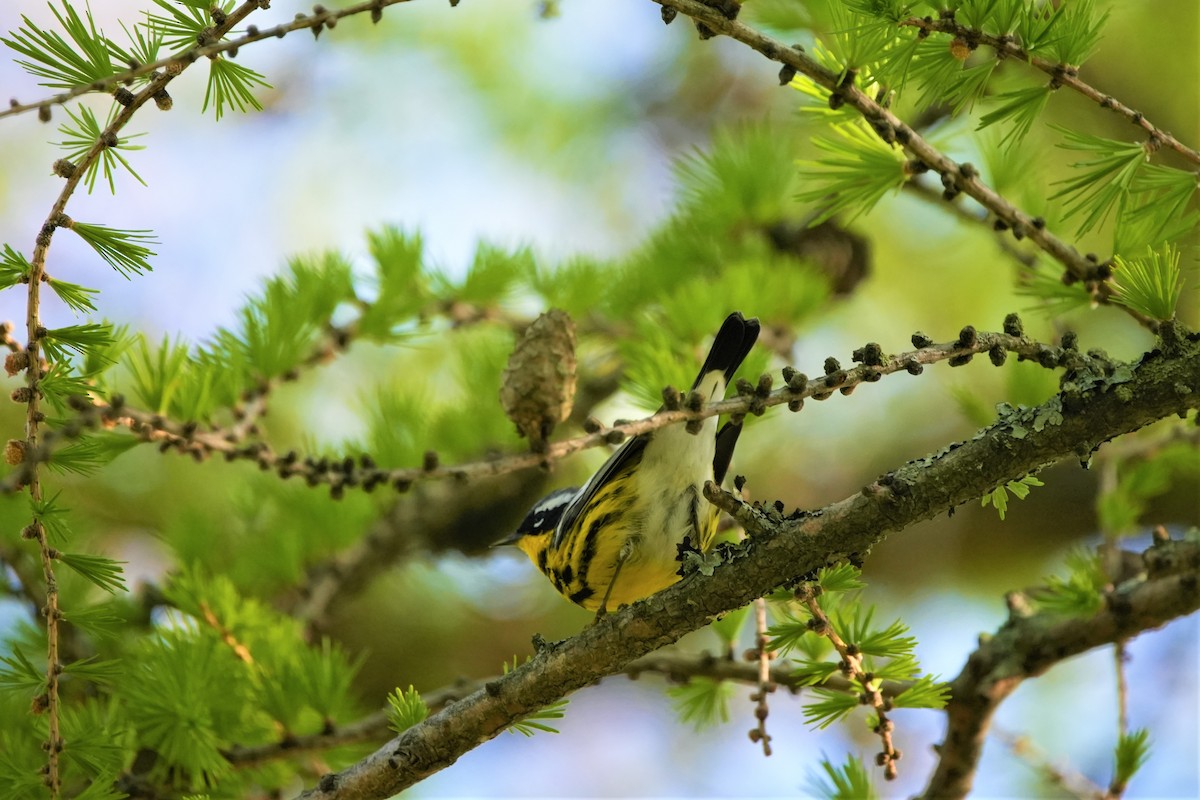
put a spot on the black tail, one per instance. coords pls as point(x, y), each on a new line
point(726, 440)
point(733, 343)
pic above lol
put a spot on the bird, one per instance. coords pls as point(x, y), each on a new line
point(619, 537)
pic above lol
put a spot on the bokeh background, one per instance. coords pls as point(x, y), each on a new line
point(496, 121)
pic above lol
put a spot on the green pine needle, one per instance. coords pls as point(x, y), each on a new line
point(490, 278)
point(943, 78)
point(891, 642)
point(897, 668)
point(927, 692)
point(1132, 752)
point(103, 572)
point(745, 174)
point(889, 10)
point(52, 518)
point(78, 298)
point(786, 635)
point(840, 578)
point(1158, 209)
point(1036, 24)
point(145, 44)
point(90, 454)
point(230, 85)
point(405, 709)
point(104, 787)
point(530, 724)
point(830, 707)
point(401, 287)
point(328, 678)
point(856, 40)
point(813, 649)
point(814, 673)
point(895, 64)
point(858, 170)
point(1152, 284)
point(1103, 181)
point(1053, 297)
point(80, 458)
point(1079, 593)
point(80, 339)
point(158, 374)
point(851, 781)
point(702, 702)
point(19, 673)
point(124, 251)
point(1078, 28)
point(281, 326)
point(1120, 508)
point(978, 15)
point(86, 59)
point(62, 382)
point(1020, 108)
point(81, 134)
point(100, 620)
point(998, 497)
point(181, 26)
point(14, 267)
point(728, 627)
point(99, 737)
point(187, 696)
point(95, 669)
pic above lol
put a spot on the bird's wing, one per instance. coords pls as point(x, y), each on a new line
point(631, 449)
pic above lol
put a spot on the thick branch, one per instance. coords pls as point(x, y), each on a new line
point(781, 550)
point(1027, 646)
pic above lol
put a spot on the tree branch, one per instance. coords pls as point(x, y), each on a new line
point(1060, 75)
point(49, 702)
point(316, 21)
point(782, 549)
point(891, 129)
point(1025, 647)
point(340, 474)
point(676, 667)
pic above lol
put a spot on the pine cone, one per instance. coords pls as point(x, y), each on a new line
point(538, 386)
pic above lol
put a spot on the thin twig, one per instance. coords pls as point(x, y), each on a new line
point(50, 701)
point(1042, 639)
point(1060, 74)
point(890, 128)
point(762, 655)
point(346, 473)
point(853, 667)
point(315, 21)
point(1072, 782)
point(676, 667)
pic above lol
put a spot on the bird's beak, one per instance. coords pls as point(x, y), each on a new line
point(512, 538)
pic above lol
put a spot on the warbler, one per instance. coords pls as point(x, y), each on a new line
point(618, 538)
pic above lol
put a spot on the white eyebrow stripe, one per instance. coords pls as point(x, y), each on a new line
point(555, 499)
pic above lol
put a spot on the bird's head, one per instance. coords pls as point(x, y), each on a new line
point(534, 533)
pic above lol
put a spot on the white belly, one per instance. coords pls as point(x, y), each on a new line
point(675, 466)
